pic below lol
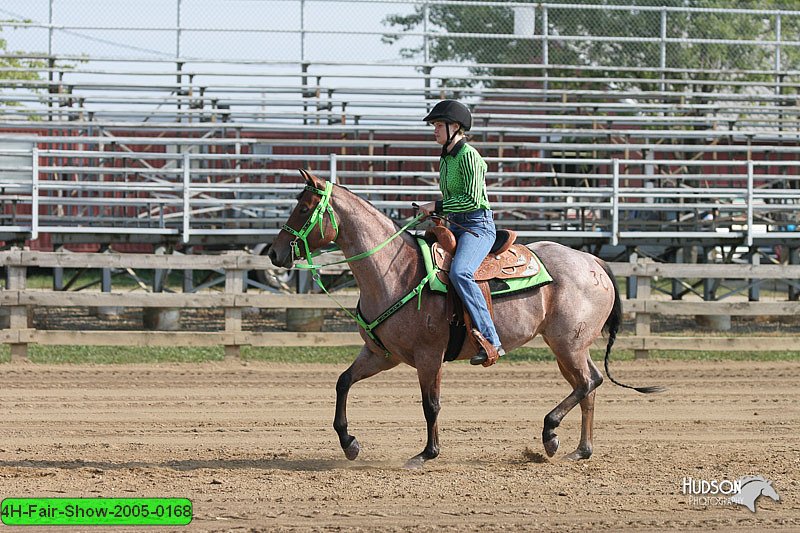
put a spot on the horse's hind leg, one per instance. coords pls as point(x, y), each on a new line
point(584, 449)
point(584, 377)
point(367, 364)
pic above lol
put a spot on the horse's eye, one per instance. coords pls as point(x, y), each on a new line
point(303, 209)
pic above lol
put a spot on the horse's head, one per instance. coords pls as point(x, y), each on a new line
point(310, 226)
point(769, 491)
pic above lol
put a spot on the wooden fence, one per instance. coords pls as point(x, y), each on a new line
point(17, 299)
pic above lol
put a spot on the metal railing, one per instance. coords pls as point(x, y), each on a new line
point(244, 198)
point(574, 52)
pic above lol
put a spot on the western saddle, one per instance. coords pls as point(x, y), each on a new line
point(505, 260)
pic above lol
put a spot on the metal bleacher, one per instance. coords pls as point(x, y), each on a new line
point(183, 151)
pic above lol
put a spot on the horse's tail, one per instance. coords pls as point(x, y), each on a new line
point(612, 325)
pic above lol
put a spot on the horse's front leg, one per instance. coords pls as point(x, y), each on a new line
point(429, 373)
point(367, 364)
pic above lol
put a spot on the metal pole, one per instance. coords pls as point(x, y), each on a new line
point(425, 42)
point(615, 203)
point(178, 31)
point(50, 30)
point(332, 157)
point(302, 31)
point(50, 61)
point(777, 53)
point(754, 290)
point(749, 201)
point(545, 51)
point(187, 204)
point(34, 193)
point(663, 60)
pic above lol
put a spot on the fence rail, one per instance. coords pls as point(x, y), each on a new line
point(17, 299)
point(193, 197)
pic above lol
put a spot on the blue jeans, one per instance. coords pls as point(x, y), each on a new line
point(470, 251)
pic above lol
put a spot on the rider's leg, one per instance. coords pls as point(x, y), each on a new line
point(471, 250)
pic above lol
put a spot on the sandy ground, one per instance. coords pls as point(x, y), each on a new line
point(252, 445)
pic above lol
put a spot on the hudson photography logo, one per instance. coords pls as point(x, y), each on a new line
point(715, 492)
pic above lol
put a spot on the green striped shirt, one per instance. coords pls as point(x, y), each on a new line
point(462, 180)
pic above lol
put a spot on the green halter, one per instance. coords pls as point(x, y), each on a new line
point(317, 218)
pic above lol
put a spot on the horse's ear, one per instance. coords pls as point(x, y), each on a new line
point(312, 180)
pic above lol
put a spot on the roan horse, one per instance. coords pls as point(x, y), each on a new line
point(569, 313)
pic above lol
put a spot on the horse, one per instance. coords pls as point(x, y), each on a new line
point(753, 487)
point(569, 313)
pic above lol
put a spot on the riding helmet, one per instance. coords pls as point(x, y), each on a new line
point(451, 111)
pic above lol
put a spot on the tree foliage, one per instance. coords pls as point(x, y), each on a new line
point(713, 61)
point(14, 67)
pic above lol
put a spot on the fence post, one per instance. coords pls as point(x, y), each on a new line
point(778, 76)
point(234, 284)
point(754, 289)
point(187, 198)
point(178, 31)
point(749, 202)
point(630, 285)
point(545, 49)
point(50, 32)
point(615, 202)
point(17, 314)
point(426, 44)
point(662, 64)
point(793, 287)
point(34, 193)
point(642, 318)
point(333, 167)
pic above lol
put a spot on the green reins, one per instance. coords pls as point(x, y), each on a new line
point(317, 218)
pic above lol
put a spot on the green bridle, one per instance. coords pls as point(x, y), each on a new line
point(317, 219)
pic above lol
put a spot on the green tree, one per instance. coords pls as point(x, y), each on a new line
point(15, 67)
point(719, 61)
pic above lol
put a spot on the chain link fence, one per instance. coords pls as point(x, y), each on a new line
point(640, 41)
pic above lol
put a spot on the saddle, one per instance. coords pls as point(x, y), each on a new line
point(506, 260)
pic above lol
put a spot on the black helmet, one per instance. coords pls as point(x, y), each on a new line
point(451, 111)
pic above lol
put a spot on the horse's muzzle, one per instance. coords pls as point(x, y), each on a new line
point(283, 260)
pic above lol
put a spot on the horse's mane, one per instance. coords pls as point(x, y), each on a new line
point(752, 479)
point(379, 214)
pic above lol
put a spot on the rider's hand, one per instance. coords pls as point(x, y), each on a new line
point(428, 209)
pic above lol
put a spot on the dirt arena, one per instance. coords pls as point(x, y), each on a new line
point(251, 444)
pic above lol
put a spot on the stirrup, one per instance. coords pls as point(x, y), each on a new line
point(482, 358)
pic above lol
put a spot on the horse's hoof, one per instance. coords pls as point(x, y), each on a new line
point(551, 447)
point(351, 452)
point(578, 455)
point(414, 463)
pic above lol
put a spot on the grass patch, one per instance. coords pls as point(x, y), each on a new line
point(702, 355)
point(543, 354)
point(120, 355)
point(338, 355)
point(346, 354)
point(301, 354)
point(42, 278)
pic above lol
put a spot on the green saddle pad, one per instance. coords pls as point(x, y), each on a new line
point(498, 287)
